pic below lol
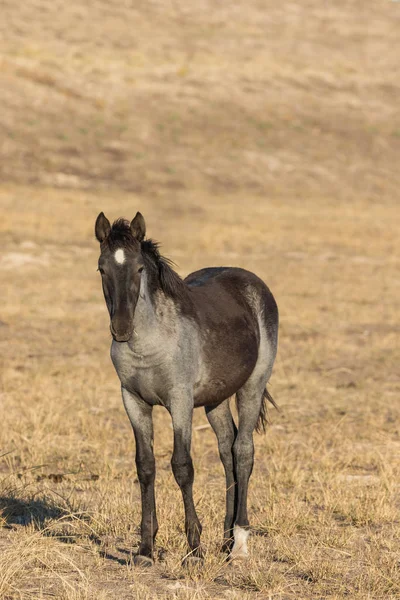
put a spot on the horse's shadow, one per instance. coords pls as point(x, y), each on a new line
point(16, 511)
point(41, 513)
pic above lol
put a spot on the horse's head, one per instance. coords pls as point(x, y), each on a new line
point(120, 266)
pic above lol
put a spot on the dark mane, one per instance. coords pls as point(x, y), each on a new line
point(170, 282)
point(159, 268)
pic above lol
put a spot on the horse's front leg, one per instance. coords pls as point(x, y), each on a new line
point(182, 467)
point(140, 415)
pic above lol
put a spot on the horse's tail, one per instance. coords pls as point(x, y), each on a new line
point(262, 420)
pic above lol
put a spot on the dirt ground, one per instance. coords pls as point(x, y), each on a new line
point(264, 135)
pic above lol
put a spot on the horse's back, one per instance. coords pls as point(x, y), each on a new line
point(240, 288)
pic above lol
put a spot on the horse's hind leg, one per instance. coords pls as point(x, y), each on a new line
point(249, 399)
point(220, 418)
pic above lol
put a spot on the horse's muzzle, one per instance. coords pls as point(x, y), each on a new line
point(120, 337)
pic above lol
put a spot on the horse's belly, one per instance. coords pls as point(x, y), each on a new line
point(223, 377)
point(217, 390)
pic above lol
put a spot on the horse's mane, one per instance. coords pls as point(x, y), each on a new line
point(159, 268)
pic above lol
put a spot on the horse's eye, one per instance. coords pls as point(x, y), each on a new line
point(140, 269)
point(101, 270)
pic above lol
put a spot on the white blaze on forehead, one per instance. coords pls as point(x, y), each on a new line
point(119, 256)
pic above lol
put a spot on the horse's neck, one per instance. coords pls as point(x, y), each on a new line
point(150, 323)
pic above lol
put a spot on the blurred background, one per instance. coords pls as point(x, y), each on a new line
point(295, 100)
point(257, 134)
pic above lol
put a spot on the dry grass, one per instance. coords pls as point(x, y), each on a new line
point(263, 136)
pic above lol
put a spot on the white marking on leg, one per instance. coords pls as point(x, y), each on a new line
point(240, 537)
point(119, 256)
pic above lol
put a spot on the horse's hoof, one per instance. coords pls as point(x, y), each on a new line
point(142, 561)
point(192, 561)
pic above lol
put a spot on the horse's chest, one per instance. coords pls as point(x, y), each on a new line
point(142, 374)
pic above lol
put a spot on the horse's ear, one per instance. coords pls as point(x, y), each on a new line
point(138, 227)
point(102, 227)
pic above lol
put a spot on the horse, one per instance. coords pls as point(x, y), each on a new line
point(183, 344)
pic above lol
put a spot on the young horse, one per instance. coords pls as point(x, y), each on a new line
point(183, 344)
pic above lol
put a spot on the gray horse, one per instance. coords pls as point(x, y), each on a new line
point(184, 344)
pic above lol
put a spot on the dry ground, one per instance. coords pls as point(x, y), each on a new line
point(259, 134)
